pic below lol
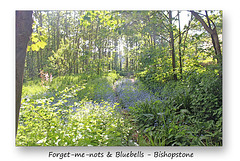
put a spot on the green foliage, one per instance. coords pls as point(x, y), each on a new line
point(100, 88)
point(59, 119)
point(190, 113)
point(92, 124)
point(33, 88)
point(38, 40)
point(88, 104)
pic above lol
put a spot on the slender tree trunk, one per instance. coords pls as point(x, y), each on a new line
point(184, 42)
point(41, 50)
point(209, 25)
point(54, 40)
point(32, 65)
point(23, 32)
point(213, 33)
point(49, 35)
point(38, 63)
point(172, 46)
point(109, 60)
point(136, 67)
point(77, 55)
point(179, 45)
point(120, 63)
point(37, 52)
point(99, 59)
point(58, 32)
point(70, 58)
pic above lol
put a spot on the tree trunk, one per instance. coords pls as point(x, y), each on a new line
point(58, 32)
point(38, 63)
point(184, 41)
point(23, 32)
point(41, 50)
point(127, 56)
point(213, 33)
point(99, 59)
point(209, 24)
point(172, 46)
point(179, 45)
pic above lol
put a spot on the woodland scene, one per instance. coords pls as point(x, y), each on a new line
point(119, 78)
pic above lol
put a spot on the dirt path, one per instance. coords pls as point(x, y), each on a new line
point(121, 84)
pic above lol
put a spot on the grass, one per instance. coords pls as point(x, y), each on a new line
point(33, 88)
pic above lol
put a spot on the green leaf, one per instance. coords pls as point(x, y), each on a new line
point(35, 47)
point(35, 39)
point(42, 44)
point(184, 111)
point(28, 48)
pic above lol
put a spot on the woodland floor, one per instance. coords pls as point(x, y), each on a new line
point(112, 111)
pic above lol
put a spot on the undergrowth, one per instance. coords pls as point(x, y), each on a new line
point(109, 110)
point(77, 115)
point(188, 113)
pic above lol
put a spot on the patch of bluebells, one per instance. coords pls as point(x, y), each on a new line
point(93, 104)
point(102, 93)
point(129, 93)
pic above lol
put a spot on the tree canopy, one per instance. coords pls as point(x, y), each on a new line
point(71, 42)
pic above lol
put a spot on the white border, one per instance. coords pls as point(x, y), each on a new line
point(231, 59)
